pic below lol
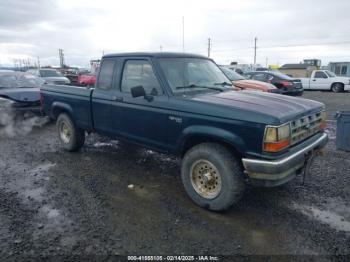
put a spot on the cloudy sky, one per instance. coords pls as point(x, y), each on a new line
point(287, 31)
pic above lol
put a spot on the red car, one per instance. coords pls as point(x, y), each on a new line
point(86, 79)
point(242, 83)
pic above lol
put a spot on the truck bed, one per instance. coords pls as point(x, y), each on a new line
point(75, 100)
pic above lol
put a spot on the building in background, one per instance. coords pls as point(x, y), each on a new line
point(340, 68)
point(298, 70)
point(313, 62)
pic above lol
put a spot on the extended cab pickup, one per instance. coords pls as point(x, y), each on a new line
point(183, 104)
point(326, 80)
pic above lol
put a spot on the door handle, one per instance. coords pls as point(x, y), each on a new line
point(118, 98)
point(314, 80)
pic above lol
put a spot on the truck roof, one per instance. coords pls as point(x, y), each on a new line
point(156, 54)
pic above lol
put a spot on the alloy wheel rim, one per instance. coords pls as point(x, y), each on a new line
point(65, 132)
point(205, 179)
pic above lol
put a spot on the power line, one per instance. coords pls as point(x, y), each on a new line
point(209, 47)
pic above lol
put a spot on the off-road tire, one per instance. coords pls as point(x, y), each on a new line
point(77, 135)
point(232, 179)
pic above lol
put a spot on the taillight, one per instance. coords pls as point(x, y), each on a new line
point(286, 83)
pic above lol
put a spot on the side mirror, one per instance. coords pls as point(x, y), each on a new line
point(137, 91)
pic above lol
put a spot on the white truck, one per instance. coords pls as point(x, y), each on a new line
point(326, 80)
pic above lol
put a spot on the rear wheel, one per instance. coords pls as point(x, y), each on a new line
point(71, 137)
point(212, 176)
point(337, 87)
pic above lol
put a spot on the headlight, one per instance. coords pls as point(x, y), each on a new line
point(276, 138)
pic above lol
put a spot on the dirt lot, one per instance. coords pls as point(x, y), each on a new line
point(58, 204)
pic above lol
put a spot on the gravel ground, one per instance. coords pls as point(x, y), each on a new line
point(115, 199)
point(334, 101)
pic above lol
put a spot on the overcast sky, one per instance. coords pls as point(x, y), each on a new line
point(287, 31)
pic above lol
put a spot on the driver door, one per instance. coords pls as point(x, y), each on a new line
point(319, 81)
point(143, 120)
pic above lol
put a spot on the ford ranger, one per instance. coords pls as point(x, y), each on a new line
point(183, 104)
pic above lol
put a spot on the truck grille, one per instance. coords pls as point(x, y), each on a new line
point(305, 127)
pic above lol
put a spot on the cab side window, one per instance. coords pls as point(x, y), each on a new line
point(320, 74)
point(140, 73)
point(105, 78)
point(248, 76)
point(268, 77)
point(259, 77)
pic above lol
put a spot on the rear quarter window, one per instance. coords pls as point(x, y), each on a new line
point(105, 78)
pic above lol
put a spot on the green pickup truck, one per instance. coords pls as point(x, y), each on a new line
point(183, 104)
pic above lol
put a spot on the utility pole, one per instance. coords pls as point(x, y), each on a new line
point(183, 34)
point(61, 55)
point(255, 39)
point(267, 59)
point(161, 48)
point(38, 62)
point(209, 46)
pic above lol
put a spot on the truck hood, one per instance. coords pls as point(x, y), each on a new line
point(345, 80)
point(280, 108)
point(21, 94)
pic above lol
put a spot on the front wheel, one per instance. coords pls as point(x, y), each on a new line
point(71, 137)
point(212, 176)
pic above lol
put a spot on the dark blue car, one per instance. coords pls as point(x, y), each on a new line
point(20, 92)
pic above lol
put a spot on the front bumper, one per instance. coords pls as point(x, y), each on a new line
point(277, 172)
point(294, 92)
point(289, 92)
point(33, 109)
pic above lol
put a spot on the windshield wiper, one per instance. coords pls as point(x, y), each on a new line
point(199, 86)
point(223, 84)
point(188, 86)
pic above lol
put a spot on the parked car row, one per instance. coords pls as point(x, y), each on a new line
point(51, 76)
point(266, 81)
point(285, 84)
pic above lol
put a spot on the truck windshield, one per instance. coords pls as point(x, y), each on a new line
point(193, 75)
point(330, 74)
